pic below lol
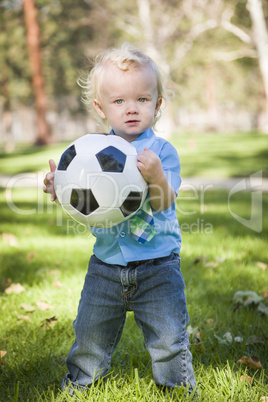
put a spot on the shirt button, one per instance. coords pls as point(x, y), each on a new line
point(122, 234)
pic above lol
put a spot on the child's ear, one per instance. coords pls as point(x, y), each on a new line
point(158, 105)
point(97, 106)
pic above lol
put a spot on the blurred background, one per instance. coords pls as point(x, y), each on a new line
point(213, 55)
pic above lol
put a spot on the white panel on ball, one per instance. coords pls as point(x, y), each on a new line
point(105, 217)
point(84, 171)
point(113, 183)
point(96, 141)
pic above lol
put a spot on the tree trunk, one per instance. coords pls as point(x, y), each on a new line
point(33, 43)
point(261, 41)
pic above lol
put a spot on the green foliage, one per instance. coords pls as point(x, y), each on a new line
point(67, 30)
point(74, 31)
point(236, 83)
point(14, 74)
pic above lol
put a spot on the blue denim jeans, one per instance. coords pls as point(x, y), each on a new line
point(154, 291)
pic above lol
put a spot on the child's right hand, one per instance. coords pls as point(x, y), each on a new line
point(49, 181)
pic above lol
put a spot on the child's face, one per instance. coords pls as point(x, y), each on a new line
point(128, 100)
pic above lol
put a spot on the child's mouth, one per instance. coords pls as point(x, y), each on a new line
point(132, 122)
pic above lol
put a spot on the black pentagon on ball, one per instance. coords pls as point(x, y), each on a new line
point(66, 158)
point(132, 203)
point(111, 159)
point(84, 201)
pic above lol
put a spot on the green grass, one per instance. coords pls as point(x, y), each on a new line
point(202, 155)
point(219, 257)
point(44, 252)
point(222, 155)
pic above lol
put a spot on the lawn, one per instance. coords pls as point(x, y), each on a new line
point(209, 155)
point(43, 261)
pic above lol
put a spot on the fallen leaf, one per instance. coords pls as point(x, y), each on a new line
point(14, 288)
point(252, 362)
point(262, 265)
point(10, 239)
point(238, 339)
point(247, 298)
point(27, 307)
point(228, 337)
point(191, 331)
point(210, 322)
point(54, 272)
point(265, 293)
point(49, 322)
point(44, 306)
point(254, 339)
point(30, 256)
point(212, 264)
point(2, 353)
point(24, 317)
point(57, 284)
point(246, 378)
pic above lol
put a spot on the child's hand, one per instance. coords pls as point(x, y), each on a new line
point(161, 192)
point(49, 181)
point(149, 164)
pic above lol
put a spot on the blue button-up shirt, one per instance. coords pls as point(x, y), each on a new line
point(115, 245)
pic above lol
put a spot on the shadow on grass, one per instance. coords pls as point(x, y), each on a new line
point(29, 159)
point(36, 353)
point(22, 151)
point(48, 223)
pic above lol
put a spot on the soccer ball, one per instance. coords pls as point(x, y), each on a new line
point(97, 180)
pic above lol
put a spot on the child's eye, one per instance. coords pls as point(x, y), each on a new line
point(142, 99)
point(119, 101)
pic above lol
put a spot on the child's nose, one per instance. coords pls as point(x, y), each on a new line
point(132, 108)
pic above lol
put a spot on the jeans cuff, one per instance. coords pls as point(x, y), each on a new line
point(72, 386)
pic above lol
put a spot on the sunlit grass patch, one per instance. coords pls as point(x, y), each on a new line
point(40, 253)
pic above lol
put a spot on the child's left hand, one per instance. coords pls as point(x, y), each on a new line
point(149, 164)
point(161, 193)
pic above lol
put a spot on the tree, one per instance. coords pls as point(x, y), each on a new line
point(33, 43)
point(206, 49)
point(255, 37)
point(14, 77)
point(260, 35)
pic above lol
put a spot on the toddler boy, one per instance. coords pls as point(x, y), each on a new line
point(127, 273)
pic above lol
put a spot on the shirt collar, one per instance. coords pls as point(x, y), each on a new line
point(146, 139)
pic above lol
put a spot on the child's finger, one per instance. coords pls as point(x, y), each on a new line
point(53, 197)
point(52, 165)
point(49, 177)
